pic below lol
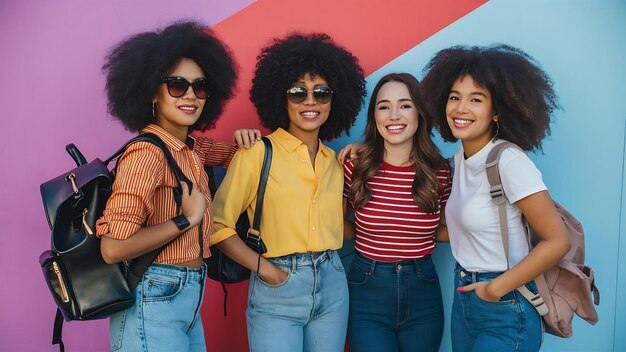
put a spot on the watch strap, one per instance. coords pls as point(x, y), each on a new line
point(181, 221)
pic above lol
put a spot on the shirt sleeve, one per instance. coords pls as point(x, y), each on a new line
point(347, 177)
point(520, 177)
point(445, 185)
point(214, 153)
point(236, 192)
point(138, 174)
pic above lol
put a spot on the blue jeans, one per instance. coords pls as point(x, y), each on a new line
point(166, 313)
point(307, 312)
point(512, 324)
point(394, 306)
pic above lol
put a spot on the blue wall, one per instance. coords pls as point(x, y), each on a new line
point(582, 45)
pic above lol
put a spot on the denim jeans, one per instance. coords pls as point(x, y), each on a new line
point(166, 313)
point(512, 324)
point(307, 312)
point(394, 306)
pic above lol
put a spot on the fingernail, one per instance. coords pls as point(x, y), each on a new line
point(459, 289)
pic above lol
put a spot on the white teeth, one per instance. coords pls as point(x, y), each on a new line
point(396, 127)
point(309, 114)
point(462, 122)
point(188, 108)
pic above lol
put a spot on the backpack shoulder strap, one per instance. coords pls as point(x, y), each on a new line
point(265, 171)
point(140, 264)
point(497, 191)
point(497, 196)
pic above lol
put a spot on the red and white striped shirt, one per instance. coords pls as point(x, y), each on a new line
point(391, 227)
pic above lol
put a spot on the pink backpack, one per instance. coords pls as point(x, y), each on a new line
point(567, 287)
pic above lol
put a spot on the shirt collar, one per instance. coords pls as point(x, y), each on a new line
point(290, 143)
point(171, 141)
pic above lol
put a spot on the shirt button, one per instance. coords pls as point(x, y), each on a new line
point(304, 161)
point(314, 201)
point(313, 228)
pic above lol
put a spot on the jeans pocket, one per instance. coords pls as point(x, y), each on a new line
point(508, 298)
point(427, 270)
point(358, 275)
point(263, 282)
point(160, 287)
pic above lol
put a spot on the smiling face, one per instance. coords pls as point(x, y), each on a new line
point(396, 115)
point(176, 115)
point(470, 114)
point(306, 118)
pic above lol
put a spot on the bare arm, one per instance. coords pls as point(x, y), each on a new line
point(553, 244)
point(149, 238)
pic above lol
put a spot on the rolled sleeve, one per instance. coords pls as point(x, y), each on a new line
point(214, 153)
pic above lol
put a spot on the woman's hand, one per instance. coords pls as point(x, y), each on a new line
point(482, 291)
point(273, 275)
point(246, 137)
point(193, 204)
point(349, 152)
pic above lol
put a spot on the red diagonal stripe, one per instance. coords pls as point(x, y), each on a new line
point(375, 31)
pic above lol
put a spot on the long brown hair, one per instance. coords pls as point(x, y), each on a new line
point(425, 155)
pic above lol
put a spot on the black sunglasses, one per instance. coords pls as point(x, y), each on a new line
point(178, 86)
point(298, 94)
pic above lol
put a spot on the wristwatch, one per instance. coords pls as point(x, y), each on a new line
point(181, 221)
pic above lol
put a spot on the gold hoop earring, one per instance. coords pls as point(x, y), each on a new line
point(497, 131)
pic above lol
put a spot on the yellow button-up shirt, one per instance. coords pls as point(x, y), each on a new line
point(302, 209)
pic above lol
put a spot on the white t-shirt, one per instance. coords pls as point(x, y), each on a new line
point(472, 217)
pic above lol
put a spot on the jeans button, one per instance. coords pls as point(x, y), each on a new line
point(399, 266)
point(462, 273)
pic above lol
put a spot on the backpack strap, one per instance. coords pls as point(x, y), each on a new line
point(497, 196)
point(57, 331)
point(497, 191)
point(256, 223)
point(139, 265)
point(265, 171)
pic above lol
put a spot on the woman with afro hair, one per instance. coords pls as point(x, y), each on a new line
point(307, 90)
point(484, 96)
point(168, 83)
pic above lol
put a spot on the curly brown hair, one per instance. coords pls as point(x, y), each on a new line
point(425, 155)
point(522, 92)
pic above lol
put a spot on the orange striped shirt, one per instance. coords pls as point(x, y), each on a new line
point(142, 192)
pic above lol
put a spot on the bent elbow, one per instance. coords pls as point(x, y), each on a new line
point(108, 254)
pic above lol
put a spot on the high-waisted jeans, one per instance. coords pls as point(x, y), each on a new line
point(512, 324)
point(307, 312)
point(394, 306)
point(166, 312)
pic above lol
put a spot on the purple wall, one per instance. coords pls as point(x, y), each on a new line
point(53, 94)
